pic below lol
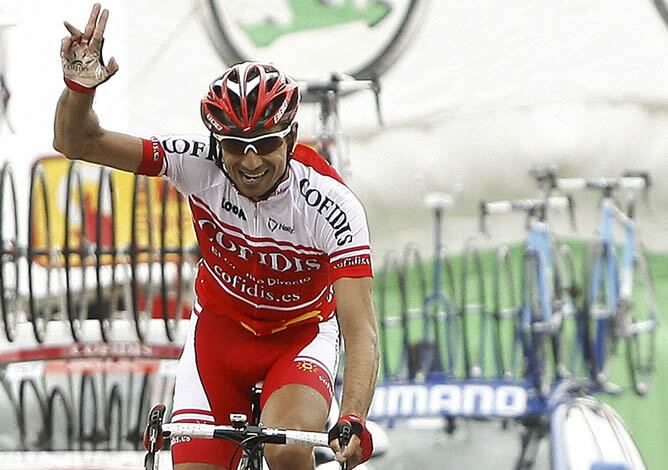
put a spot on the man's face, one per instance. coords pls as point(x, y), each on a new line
point(255, 166)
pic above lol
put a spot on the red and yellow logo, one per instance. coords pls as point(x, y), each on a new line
point(307, 367)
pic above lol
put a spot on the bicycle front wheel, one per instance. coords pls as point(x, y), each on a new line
point(641, 327)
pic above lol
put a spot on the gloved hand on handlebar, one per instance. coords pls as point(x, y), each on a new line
point(351, 435)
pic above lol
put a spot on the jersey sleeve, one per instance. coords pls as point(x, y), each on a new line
point(346, 234)
point(182, 160)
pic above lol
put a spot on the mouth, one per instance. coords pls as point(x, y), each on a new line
point(252, 178)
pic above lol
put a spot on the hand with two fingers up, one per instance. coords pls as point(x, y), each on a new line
point(81, 54)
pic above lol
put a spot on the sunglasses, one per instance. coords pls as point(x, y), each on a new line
point(260, 145)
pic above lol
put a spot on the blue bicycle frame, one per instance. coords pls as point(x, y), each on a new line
point(437, 297)
point(539, 247)
point(617, 287)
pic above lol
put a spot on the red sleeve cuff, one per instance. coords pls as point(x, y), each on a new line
point(153, 158)
point(78, 88)
point(354, 266)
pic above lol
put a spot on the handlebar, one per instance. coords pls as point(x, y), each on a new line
point(340, 83)
point(632, 181)
point(547, 178)
point(239, 431)
point(603, 184)
point(533, 207)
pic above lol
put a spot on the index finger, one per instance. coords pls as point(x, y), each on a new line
point(73, 30)
point(101, 25)
point(92, 20)
point(352, 448)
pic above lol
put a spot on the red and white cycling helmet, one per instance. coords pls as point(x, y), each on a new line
point(249, 96)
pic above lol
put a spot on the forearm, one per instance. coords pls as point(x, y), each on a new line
point(361, 371)
point(76, 124)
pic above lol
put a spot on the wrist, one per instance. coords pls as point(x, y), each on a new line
point(76, 87)
point(353, 417)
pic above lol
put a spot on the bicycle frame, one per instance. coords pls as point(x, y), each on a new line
point(618, 278)
point(538, 322)
point(437, 298)
point(539, 244)
point(326, 94)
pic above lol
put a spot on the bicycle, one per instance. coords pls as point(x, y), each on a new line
point(438, 304)
point(422, 309)
point(250, 437)
point(329, 141)
point(614, 307)
point(579, 355)
point(541, 311)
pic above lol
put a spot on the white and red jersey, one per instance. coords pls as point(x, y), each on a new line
point(269, 264)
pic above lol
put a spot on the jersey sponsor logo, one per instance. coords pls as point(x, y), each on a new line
point(254, 288)
point(220, 245)
point(179, 439)
point(330, 210)
point(274, 225)
point(327, 383)
point(183, 146)
point(233, 208)
point(305, 366)
point(393, 401)
point(155, 150)
point(352, 261)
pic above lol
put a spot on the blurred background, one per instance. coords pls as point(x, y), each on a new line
point(472, 94)
point(478, 92)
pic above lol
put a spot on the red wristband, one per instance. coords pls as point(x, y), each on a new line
point(74, 86)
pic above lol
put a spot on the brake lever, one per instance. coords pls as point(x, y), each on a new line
point(648, 182)
point(571, 212)
point(154, 436)
point(344, 439)
point(376, 93)
point(482, 225)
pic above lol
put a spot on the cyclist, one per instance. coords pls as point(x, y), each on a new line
point(284, 243)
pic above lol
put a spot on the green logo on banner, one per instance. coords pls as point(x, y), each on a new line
point(317, 14)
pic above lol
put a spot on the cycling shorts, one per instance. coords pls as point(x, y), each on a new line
point(222, 361)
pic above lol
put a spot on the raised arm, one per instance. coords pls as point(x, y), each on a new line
point(77, 131)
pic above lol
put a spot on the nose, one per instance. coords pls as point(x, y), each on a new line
point(252, 161)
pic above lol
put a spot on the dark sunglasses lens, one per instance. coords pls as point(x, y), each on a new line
point(268, 145)
point(260, 146)
point(233, 146)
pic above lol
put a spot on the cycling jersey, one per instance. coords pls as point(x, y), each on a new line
point(267, 264)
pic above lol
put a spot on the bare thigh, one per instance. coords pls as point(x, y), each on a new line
point(294, 406)
point(197, 466)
